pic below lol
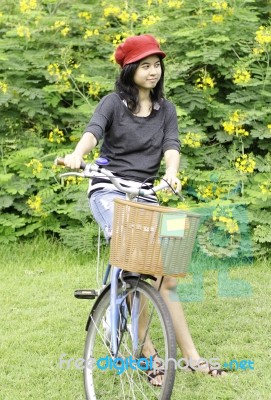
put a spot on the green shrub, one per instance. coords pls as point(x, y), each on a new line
point(56, 63)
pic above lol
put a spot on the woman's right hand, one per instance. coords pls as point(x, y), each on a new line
point(73, 160)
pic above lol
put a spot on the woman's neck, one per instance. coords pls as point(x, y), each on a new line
point(145, 104)
point(144, 95)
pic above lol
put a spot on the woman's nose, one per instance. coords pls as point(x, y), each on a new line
point(153, 70)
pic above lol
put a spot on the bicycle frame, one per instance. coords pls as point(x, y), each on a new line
point(123, 306)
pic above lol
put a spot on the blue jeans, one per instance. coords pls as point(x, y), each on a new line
point(101, 204)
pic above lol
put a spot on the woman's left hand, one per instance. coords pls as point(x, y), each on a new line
point(171, 177)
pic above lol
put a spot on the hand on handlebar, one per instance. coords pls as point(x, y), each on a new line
point(171, 178)
point(73, 161)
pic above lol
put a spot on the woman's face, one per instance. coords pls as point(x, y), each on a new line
point(148, 73)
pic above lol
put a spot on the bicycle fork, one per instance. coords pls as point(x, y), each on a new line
point(119, 311)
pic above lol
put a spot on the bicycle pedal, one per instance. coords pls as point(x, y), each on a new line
point(85, 294)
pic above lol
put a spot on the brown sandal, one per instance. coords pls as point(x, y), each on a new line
point(219, 371)
point(157, 371)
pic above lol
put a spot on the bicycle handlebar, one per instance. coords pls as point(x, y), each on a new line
point(89, 168)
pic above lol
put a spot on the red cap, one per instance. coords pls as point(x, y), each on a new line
point(136, 48)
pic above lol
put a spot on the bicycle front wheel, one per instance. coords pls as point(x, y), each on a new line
point(127, 375)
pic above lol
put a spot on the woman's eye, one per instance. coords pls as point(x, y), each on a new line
point(147, 66)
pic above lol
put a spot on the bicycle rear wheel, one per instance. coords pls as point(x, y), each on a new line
point(127, 376)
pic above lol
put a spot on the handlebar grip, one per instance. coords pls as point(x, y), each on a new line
point(61, 161)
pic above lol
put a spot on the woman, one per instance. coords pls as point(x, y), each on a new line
point(139, 128)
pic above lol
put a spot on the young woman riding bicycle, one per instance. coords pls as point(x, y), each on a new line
point(138, 128)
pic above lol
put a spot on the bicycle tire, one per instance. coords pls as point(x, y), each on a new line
point(131, 383)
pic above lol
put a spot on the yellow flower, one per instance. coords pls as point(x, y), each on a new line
point(165, 196)
point(150, 20)
point(36, 166)
point(65, 31)
point(217, 18)
point(183, 179)
point(231, 224)
point(58, 24)
point(205, 191)
point(73, 180)
point(112, 10)
point(54, 70)
point(60, 76)
point(263, 35)
point(205, 81)
point(35, 203)
point(23, 31)
point(229, 127)
point(266, 187)
point(66, 74)
point(220, 5)
point(245, 164)
point(210, 191)
point(234, 125)
point(174, 4)
point(182, 206)
point(27, 5)
point(94, 89)
point(112, 58)
point(3, 87)
point(257, 51)
point(89, 33)
point(241, 76)
point(85, 15)
point(124, 16)
point(56, 136)
point(95, 153)
point(119, 38)
point(192, 139)
point(134, 17)
point(241, 132)
point(225, 217)
point(73, 138)
point(269, 126)
point(236, 116)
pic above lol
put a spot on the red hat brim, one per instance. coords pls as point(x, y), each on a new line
point(141, 56)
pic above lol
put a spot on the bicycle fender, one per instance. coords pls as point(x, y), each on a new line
point(105, 290)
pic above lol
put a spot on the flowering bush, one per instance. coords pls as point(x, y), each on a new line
point(57, 62)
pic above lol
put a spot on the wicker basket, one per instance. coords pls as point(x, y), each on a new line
point(151, 239)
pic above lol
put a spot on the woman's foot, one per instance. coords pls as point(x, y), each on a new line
point(155, 377)
point(207, 369)
point(156, 374)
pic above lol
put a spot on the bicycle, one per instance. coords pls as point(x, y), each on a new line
point(129, 314)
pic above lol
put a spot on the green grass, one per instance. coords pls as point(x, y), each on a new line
point(40, 320)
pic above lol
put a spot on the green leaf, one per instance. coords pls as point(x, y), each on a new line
point(6, 201)
point(12, 220)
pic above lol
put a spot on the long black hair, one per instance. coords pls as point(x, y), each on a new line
point(127, 90)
